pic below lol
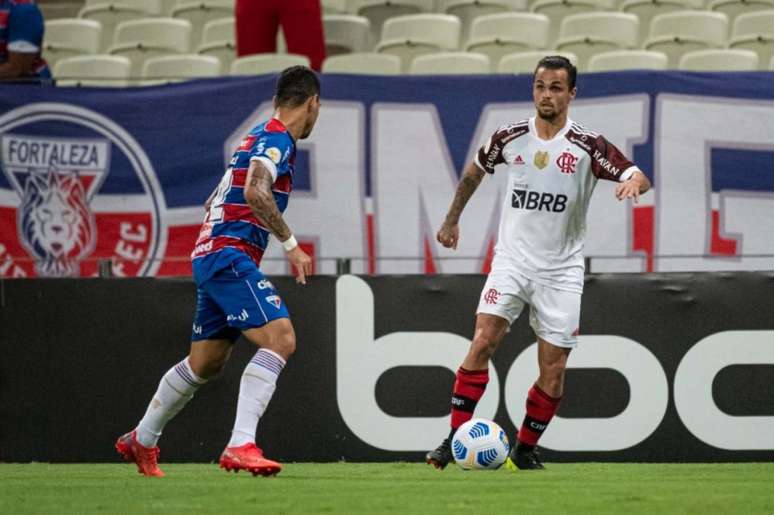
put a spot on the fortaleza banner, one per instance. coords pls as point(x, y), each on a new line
point(94, 174)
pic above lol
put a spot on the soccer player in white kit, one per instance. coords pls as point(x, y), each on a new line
point(553, 164)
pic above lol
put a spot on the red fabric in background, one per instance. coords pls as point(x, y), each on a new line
point(257, 22)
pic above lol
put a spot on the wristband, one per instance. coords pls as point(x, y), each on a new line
point(290, 243)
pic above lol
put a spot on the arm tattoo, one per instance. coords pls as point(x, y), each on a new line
point(465, 189)
point(261, 201)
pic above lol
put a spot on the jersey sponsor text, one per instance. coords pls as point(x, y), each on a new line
point(533, 200)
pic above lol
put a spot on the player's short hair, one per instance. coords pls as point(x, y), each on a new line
point(558, 62)
point(295, 85)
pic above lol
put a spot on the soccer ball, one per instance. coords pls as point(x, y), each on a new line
point(480, 444)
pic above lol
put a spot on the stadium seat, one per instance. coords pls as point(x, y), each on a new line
point(199, 12)
point(346, 33)
point(167, 6)
point(93, 70)
point(378, 11)
point(647, 9)
point(219, 40)
point(450, 63)
point(260, 64)
point(70, 37)
point(176, 68)
point(419, 34)
point(469, 10)
point(140, 40)
point(684, 31)
point(222, 29)
point(224, 51)
point(734, 8)
point(587, 34)
point(627, 60)
point(497, 35)
point(334, 7)
point(152, 7)
point(754, 31)
point(59, 11)
point(557, 10)
point(719, 60)
point(282, 46)
point(525, 62)
point(111, 14)
point(363, 64)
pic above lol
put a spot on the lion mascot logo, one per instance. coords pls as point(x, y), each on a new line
point(55, 222)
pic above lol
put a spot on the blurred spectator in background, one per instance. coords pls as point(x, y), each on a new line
point(21, 40)
point(257, 23)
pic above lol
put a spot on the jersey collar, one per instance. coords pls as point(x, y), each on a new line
point(275, 125)
point(559, 135)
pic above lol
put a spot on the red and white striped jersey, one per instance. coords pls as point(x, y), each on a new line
point(230, 228)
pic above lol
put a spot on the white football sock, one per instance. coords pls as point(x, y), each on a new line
point(259, 380)
point(176, 388)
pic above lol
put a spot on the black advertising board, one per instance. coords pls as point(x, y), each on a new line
point(670, 367)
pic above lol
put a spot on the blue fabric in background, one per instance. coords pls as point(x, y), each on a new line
point(183, 127)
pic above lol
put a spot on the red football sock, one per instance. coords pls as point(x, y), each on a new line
point(468, 389)
point(541, 408)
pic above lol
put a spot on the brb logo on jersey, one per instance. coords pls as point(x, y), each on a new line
point(58, 161)
point(533, 200)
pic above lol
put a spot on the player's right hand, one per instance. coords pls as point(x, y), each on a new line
point(302, 263)
point(448, 236)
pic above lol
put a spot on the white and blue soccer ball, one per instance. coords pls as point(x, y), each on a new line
point(480, 444)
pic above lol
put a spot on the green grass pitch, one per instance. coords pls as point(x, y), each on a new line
point(591, 488)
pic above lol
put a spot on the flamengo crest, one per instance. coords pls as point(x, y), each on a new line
point(566, 162)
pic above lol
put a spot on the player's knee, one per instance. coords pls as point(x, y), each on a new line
point(208, 368)
point(284, 344)
point(289, 344)
point(484, 346)
point(553, 371)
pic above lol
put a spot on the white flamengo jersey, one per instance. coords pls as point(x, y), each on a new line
point(550, 182)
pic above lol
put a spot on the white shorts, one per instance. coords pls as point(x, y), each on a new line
point(554, 314)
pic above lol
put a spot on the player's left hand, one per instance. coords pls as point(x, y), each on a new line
point(448, 235)
point(628, 189)
point(302, 263)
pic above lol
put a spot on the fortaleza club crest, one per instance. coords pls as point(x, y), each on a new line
point(76, 188)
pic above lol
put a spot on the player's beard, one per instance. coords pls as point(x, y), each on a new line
point(548, 114)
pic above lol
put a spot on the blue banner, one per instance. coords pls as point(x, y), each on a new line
point(121, 174)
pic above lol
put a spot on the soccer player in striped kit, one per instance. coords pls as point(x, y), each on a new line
point(233, 296)
point(553, 164)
